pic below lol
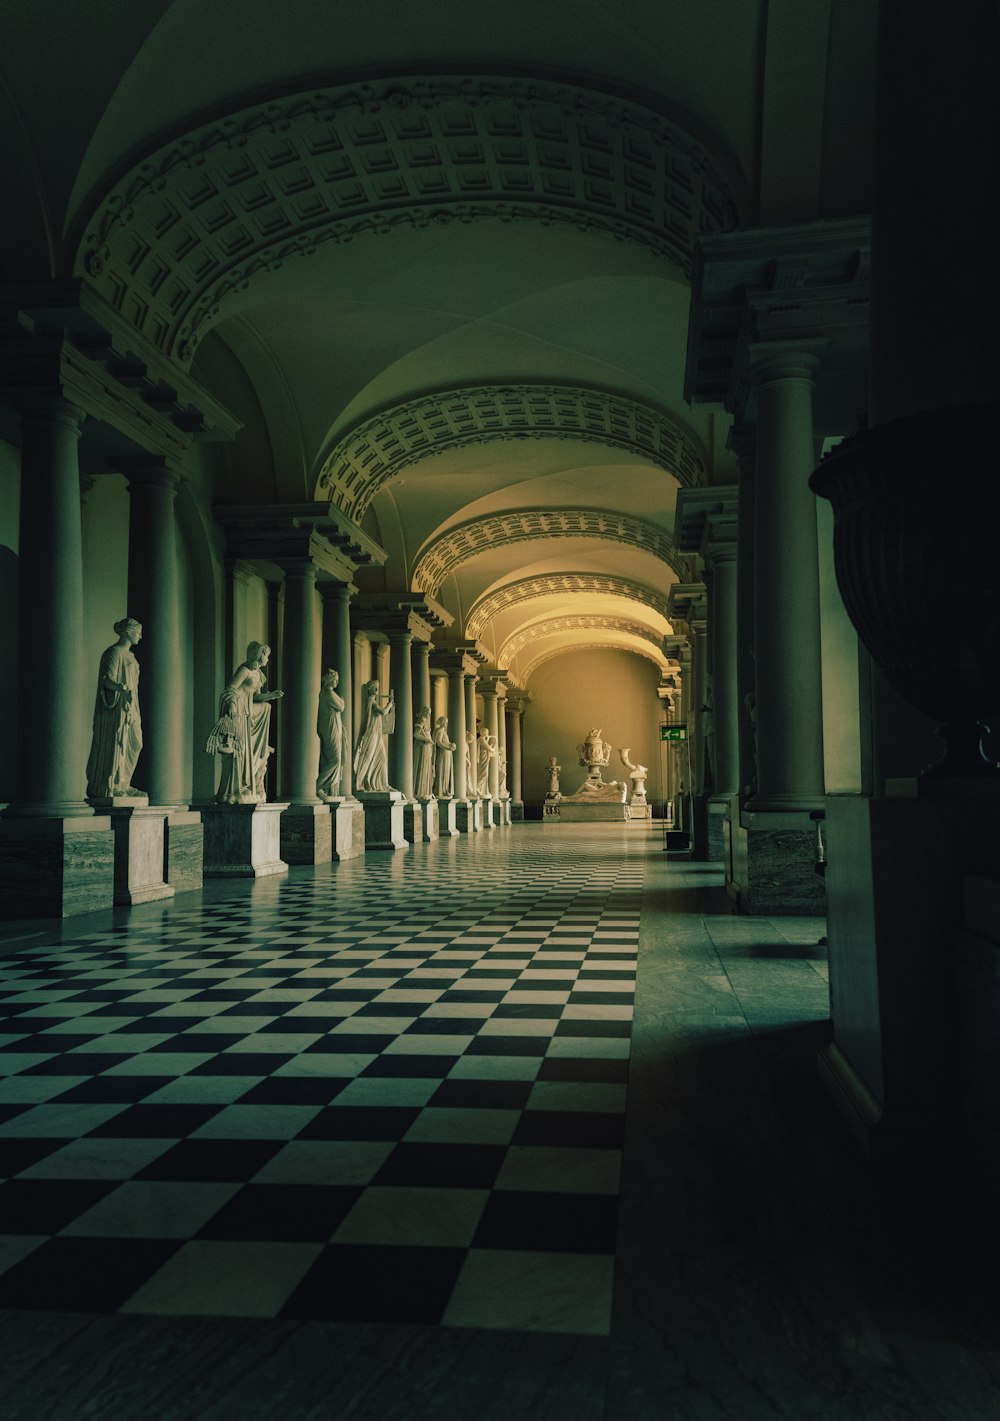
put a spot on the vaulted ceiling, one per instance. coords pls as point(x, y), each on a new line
point(436, 258)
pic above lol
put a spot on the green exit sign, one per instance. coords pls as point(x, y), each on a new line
point(673, 732)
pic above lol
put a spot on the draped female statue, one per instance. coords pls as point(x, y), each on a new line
point(444, 760)
point(117, 737)
point(371, 765)
point(240, 734)
point(330, 729)
point(423, 756)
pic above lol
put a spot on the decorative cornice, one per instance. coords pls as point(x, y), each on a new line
point(373, 452)
point(586, 621)
point(197, 219)
point(444, 554)
point(274, 533)
point(705, 522)
point(648, 653)
point(558, 584)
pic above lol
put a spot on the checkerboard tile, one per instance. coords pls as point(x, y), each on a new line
point(389, 1091)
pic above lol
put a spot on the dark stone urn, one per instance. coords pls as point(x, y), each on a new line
point(916, 505)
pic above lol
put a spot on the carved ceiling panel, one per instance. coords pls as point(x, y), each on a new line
point(559, 584)
point(373, 452)
point(195, 221)
point(585, 621)
point(444, 554)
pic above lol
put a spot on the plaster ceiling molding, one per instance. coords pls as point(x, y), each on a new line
point(191, 224)
point(564, 649)
point(559, 584)
point(373, 452)
point(583, 621)
point(442, 555)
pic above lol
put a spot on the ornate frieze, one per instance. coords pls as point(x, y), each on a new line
point(444, 554)
point(559, 584)
point(375, 451)
point(194, 221)
point(584, 621)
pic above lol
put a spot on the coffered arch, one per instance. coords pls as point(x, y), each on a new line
point(550, 653)
point(449, 550)
point(373, 452)
point(527, 589)
point(584, 621)
point(188, 227)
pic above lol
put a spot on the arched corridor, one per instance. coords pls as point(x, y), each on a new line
point(420, 1109)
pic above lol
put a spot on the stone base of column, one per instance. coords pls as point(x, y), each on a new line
point(413, 821)
point(718, 810)
point(184, 836)
point(503, 811)
point(468, 815)
point(55, 868)
point(243, 840)
point(347, 818)
point(307, 834)
point(699, 827)
point(490, 816)
point(383, 819)
point(140, 854)
point(517, 811)
point(431, 818)
point(774, 866)
point(447, 819)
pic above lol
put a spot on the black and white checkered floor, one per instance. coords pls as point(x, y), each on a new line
point(390, 1090)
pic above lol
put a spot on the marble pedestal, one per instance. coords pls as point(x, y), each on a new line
point(430, 809)
point(490, 818)
point(185, 850)
point(54, 868)
point(243, 840)
point(699, 827)
point(642, 810)
point(503, 812)
point(413, 821)
point(347, 819)
point(601, 812)
point(307, 834)
point(718, 809)
point(469, 815)
point(383, 819)
point(140, 853)
point(773, 864)
point(550, 809)
point(517, 811)
point(447, 818)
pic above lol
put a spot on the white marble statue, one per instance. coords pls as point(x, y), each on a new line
point(596, 790)
point(502, 774)
point(471, 766)
point(423, 756)
point(117, 737)
point(552, 768)
point(240, 733)
point(330, 729)
point(593, 750)
point(444, 760)
point(371, 765)
point(637, 776)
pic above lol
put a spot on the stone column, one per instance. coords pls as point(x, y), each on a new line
point(721, 558)
point(300, 671)
point(456, 725)
point(743, 443)
point(401, 742)
point(422, 677)
point(154, 600)
point(63, 861)
point(362, 673)
point(337, 655)
point(471, 726)
point(492, 723)
point(786, 591)
point(516, 756)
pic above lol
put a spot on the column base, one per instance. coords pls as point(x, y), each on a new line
point(347, 818)
point(517, 811)
point(140, 854)
point(716, 841)
point(307, 834)
point(184, 836)
point(413, 821)
point(383, 819)
point(431, 818)
point(777, 868)
point(468, 815)
point(503, 812)
point(243, 840)
point(490, 816)
point(55, 868)
point(447, 819)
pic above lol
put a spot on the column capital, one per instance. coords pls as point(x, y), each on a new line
point(742, 439)
point(149, 471)
point(45, 408)
point(303, 568)
point(771, 360)
point(335, 592)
